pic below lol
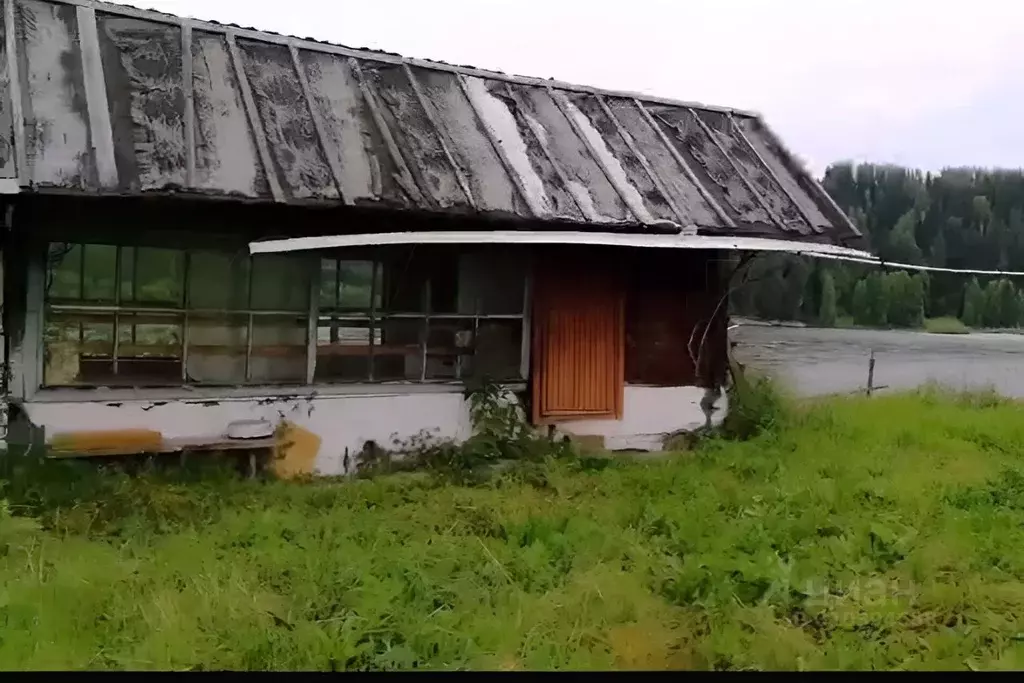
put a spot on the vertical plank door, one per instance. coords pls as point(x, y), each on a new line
point(578, 341)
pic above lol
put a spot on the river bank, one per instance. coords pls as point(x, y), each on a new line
point(816, 361)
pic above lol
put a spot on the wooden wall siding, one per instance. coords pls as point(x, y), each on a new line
point(578, 341)
point(670, 298)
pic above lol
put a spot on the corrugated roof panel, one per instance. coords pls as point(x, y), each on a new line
point(587, 182)
point(686, 196)
point(287, 123)
point(712, 167)
point(416, 136)
point(489, 183)
point(226, 158)
point(143, 67)
point(635, 185)
point(57, 127)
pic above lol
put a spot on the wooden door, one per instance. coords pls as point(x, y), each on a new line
point(578, 342)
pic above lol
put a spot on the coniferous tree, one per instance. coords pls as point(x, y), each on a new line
point(974, 304)
point(860, 309)
point(958, 218)
point(827, 314)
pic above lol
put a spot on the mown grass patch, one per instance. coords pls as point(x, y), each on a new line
point(857, 533)
point(945, 325)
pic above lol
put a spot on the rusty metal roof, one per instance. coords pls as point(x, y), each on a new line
point(102, 98)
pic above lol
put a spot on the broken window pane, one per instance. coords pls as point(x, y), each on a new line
point(216, 349)
point(278, 349)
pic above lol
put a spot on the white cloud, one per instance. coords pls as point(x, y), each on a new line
point(837, 79)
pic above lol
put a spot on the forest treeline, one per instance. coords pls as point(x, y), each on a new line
point(959, 218)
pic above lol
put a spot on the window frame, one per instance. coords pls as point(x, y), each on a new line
point(374, 317)
point(314, 316)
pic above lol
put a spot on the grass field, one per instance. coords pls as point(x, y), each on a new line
point(885, 533)
point(945, 325)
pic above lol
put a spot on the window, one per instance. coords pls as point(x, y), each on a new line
point(420, 316)
point(147, 316)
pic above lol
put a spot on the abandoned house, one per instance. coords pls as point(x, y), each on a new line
point(212, 232)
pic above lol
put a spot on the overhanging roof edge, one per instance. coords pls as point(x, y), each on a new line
point(557, 237)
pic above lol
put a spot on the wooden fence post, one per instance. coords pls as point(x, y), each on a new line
point(871, 372)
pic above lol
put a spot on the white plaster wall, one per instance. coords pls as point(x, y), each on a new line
point(342, 422)
point(349, 421)
point(648, 415)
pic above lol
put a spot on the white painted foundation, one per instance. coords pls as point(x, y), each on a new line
point(342, 422)
point(649, 414)
point(346, 422)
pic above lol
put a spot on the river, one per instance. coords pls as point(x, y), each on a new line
point(812, 361)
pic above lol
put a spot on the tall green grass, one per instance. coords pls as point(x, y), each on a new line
point(883, 533)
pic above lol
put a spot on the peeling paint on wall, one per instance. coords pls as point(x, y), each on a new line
point(342, 423)
point(296, 450)
point(330, 431)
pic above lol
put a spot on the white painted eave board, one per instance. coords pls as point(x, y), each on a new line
point(558, 237)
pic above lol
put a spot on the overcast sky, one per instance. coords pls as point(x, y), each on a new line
point(925, 83)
